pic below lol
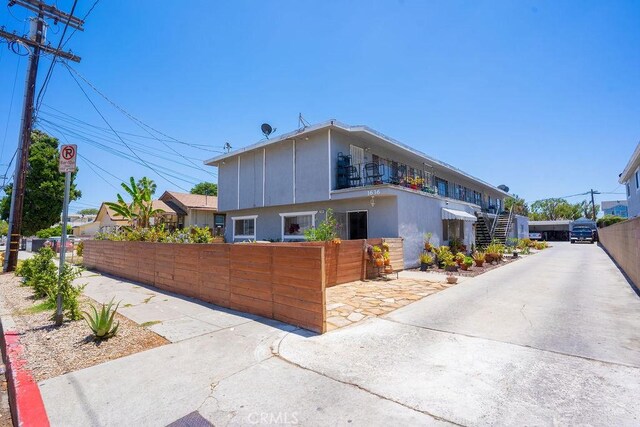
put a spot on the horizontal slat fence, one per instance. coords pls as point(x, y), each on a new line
point(283, 281)
point(278, 282)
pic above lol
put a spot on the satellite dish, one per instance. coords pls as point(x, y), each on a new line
point(503, 188)
point(267, 129)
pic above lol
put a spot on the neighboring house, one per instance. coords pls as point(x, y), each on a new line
point(616, 207)
point(107, 220)
point(630, 178)
point(376, 186)
point(194, 210)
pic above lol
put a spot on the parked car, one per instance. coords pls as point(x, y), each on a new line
point(582, 234)
point(55, 244)
point(535, 236)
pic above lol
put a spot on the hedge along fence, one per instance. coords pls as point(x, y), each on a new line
point(622, 242)
point(286, 283)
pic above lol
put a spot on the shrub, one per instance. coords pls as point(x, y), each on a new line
point(45, 233)
point(101, 322)
point(468, 261)
point(425, 258)
point(478, 257)
point(69, 292)
point(80, 248)
point(608, 220)
point(326, 231)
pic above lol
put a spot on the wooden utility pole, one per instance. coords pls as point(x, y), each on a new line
point(35, 42)
point(593, 204)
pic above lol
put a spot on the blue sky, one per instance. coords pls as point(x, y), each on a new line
point(541, 96)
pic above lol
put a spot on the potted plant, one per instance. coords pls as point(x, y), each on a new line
point(426, 260)
point(451, 279)
point(479, 258)
point(427, 242)
point(459, 258)
point(386, 258)
point(467, 263)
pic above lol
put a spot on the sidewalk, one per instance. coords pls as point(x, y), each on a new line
point(222, 366)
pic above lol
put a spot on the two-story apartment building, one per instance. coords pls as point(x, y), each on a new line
point(630, 178)
point(375, 185)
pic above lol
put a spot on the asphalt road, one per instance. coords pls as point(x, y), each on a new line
point(551, 339)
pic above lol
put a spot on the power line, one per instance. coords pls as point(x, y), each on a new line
point(84, 19)
point(89, 163)
point(45, 83)
point(122, 110)
point(13, 91)
point(116, 133)
point(172, 173)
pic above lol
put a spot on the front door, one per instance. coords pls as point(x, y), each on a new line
point(357, 225)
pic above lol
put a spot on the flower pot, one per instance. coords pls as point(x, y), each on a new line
point(452, 279)
point(388, 269)
point(451, 268)
point(515, 254)
point(479, 263)
point(488, 258)
point(465, 267)
point(428, 247)
point(387, 261)
point(379, 262)
point(424, 266)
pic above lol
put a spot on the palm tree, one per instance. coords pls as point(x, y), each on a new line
point(147, 183)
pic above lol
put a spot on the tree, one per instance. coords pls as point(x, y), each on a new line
point(520, 207)
point(587, 209)
point(147, 183)
point(205, 189)
point(88, 211)
point(4, 227)
point(608, 220)
point(140, 210)
point(44, 192)
point(554, 209)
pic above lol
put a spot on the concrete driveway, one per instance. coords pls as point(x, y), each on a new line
point(553, 339)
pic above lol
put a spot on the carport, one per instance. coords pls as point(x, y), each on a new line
point(551, 230)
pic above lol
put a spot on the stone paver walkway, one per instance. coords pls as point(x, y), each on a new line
point(352, 302)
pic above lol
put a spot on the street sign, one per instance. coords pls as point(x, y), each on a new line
point(68, 154)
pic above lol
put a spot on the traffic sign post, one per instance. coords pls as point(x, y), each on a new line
point(66, 165)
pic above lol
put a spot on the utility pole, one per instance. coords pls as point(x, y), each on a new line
point(35, 42)
point(593, 204)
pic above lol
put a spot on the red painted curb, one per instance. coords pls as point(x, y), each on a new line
point(26, 402)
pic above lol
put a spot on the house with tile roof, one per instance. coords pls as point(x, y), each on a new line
point(194, 210)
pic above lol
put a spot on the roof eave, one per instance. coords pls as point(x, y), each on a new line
point(629, 169)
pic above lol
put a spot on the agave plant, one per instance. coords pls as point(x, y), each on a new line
point(101, 322)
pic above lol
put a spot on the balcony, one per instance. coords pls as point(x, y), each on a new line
point(390, 172)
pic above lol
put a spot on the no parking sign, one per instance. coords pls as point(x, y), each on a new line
point(68, 154)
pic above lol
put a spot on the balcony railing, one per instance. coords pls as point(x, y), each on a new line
point(371, 173)
point(366, 174)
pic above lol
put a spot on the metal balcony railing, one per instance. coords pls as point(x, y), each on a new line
point(367, 174)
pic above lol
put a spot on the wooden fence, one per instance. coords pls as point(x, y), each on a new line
point(622, 242)
point(283, 281)
point(279, 282)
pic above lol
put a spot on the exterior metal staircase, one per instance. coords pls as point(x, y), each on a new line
point(490, 229)
point(502, 225)
point(483, 230)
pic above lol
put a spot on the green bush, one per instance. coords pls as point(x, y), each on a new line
point(326, 231)
point(160, 235)
point(80, 248)
point(45, 233)
point(41, 274)
point(608, 220)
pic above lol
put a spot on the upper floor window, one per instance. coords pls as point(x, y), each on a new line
point(295, 223)
point(441, 184)
point(628, 189)
point(637, 180)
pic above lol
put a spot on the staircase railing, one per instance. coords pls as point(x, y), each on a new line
point(506, 230)
point(492, 232)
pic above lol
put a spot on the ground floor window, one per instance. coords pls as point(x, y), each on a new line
point(244, 227)
point(452, 229)
point(295, 223)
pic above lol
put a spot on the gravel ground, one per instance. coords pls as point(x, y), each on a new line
point(5, 412)
point(51, 351)
point(475, 271)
